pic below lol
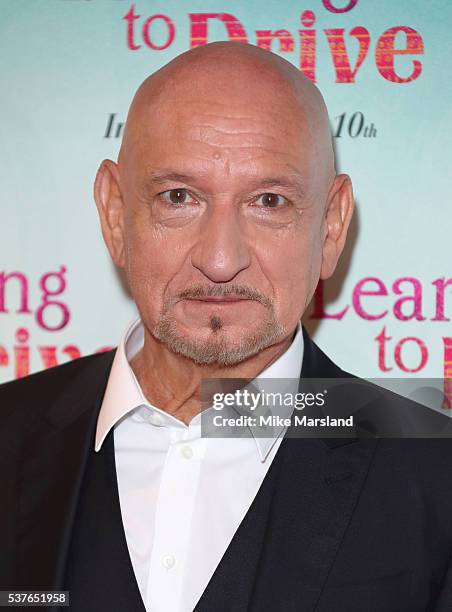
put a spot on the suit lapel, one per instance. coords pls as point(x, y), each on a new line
point(52, 469)
point(282, 552)
point(317, 491)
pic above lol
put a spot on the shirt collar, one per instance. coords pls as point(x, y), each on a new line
point(123, 393)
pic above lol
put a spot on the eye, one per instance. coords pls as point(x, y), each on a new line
point(271, 200)
point(177, 196)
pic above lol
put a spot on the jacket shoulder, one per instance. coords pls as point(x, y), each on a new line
point(39, 389)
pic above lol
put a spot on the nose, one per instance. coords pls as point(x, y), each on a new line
point(222, 250)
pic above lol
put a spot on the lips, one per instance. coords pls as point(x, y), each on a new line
point(224, 298)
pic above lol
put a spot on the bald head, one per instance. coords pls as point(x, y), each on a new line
point(222, 74)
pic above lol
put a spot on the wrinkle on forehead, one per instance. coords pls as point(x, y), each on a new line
point(231, 84)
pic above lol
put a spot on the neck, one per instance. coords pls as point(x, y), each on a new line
point(173, 382)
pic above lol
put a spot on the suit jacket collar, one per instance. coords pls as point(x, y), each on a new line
point(317, 365)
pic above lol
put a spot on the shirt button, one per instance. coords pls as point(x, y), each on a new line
point(187, 452)
point(168, 561)
point(155, 419)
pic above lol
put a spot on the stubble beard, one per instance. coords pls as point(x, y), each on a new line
point(218, 348)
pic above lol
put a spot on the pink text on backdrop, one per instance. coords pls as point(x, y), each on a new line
point(51, 285)
point(50, 355)
point(139, 30)
point(46, 300)
point(406, 300)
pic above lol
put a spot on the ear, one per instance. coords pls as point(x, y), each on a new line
point(338, 214)
point(110, 206)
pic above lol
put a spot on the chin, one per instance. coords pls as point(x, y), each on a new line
point(217, 343)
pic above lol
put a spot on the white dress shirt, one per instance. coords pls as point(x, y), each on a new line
point(182, 495)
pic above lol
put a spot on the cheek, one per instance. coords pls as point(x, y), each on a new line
point(152, 261)
point(291, 266)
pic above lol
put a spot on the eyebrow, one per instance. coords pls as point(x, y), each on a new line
point(295, 186)
point(166, 177)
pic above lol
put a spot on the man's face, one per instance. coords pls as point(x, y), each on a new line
point(222, 221)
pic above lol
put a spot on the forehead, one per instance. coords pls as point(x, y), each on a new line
point(224, 136)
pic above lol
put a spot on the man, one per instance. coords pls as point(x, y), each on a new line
point(224, 210)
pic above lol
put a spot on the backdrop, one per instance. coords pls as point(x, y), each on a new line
point(69, 70)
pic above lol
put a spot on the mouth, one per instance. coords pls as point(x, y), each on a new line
point(220, 299)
